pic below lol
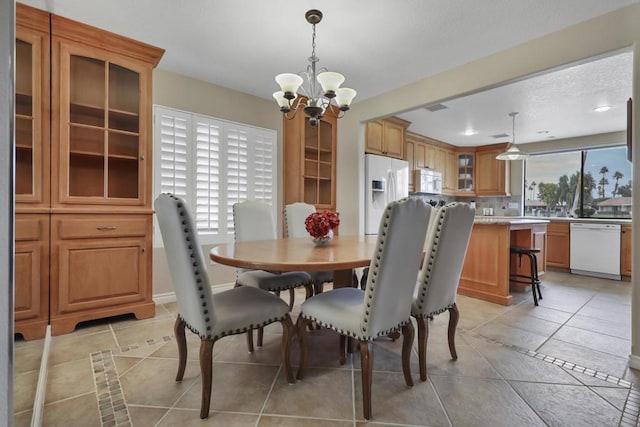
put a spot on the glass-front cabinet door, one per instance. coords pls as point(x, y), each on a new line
point(101, 139)
point(31, 121)
point(319, 163)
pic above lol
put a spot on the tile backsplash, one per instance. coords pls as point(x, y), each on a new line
point(502, 206)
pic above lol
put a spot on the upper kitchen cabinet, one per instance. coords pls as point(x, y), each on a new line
point(387, 137)
point(32, 110)
point(310, 161)
point(491, 175)
point(465, 166)
point(102, 117)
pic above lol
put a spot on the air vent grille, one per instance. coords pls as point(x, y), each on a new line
point(500, 135)
point(435, 107)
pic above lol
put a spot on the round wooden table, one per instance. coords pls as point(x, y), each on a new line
point(342, 255)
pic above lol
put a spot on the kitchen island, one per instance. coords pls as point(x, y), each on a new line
point(488, 263)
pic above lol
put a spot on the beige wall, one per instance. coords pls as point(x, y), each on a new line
point(183, 93)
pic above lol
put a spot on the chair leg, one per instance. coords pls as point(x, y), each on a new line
point(181, 340)
point(292, 298)
point(407, 343)
point(288, 330)
point(206, 368)
point(260, 336)
point(535, 259)
point(423, 336)
point(318, 288)
point(301, 326)
point(454, 315)
point(366, 363)
point(532, 265)
point(308, 290)
point(343, 349)
point(250, 340)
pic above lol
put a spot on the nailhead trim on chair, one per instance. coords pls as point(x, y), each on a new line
point(196, 271)
point(353, 334)
point(305, 283)
point(232, 331)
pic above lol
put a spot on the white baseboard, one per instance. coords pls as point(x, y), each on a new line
point(634, 361)
point(41, 387)
point(169, 297)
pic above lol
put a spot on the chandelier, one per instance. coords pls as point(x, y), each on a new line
point(513, 152)
point(318, 99)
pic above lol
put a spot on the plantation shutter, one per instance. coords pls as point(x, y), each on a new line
point(208, 135)
point(263, 171)
point(172, 129)
point(237, 169)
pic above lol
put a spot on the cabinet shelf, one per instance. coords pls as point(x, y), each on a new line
point(320, 178)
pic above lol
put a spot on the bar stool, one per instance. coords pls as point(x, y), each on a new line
point(532, 278)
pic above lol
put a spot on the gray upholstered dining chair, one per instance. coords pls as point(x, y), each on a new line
point(211, 316)
point(385, 304)
point(435, 293)
point(294, 217)
point(252, 220)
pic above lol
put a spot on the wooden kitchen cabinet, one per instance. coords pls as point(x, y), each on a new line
point(31, 275)
point(465, 166)
point(387, 137)
point(491, 175)
point(310, 161)
point(32, 172)
point(90, 162)
point(626, 259)
point(558, 244)
point(450, 172)
point(101, 266)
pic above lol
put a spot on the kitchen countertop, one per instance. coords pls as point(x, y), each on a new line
point(506, 219)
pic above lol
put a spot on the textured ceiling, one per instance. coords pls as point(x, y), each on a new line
point(377, 44)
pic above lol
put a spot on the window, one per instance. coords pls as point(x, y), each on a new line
point(552, 182)
point(212, 164)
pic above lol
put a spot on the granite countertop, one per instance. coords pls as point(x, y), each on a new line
point(509, 220)
point(501, 219)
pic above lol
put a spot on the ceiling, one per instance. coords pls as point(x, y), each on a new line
point(243, 44)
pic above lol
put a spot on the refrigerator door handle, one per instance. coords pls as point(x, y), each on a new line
point(392, 187)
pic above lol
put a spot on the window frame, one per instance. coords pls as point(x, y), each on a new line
point(256, 138)
point(582, 153)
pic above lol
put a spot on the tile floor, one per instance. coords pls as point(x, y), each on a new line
point(563, 363)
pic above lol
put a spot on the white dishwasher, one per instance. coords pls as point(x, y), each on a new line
point(595, 250)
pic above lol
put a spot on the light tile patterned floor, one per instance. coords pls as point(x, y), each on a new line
point(561, 363)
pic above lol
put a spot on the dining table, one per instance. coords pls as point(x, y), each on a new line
point(342, 255)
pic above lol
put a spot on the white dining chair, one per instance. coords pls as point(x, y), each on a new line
point(253, 220)
point(437, 286)
point(211, 316)
point(294, 216)
point(385, 305)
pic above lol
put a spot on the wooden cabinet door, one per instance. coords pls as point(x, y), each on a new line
point(429, 156)
point(450, 174)
point(440, 160)
point(411, 160)
point(101, 267)
point(31, 275)
point(490, 175)
point(625, 250)
point(32, 108)
point(420, 155)
point(394, 140)
point(374, 138)
point(102, 149)
point(558, 244)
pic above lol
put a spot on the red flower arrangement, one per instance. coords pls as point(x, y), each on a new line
point(318, 224)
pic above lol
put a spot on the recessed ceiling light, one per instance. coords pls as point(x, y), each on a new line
point(469, 132)
point(541, 132)
point(602, 108)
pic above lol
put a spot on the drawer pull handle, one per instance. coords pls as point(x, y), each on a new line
point(106, 227)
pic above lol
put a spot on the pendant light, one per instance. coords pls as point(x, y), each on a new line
point(513, 152)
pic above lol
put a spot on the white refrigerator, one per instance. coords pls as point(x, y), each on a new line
point(385, 180)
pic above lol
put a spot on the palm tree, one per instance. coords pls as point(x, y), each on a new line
point(532, 188)
point(603, 181)
point(617, 175)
